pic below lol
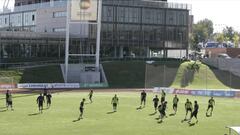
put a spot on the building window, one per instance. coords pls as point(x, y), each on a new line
point(33, 17)
point(59, 14)
point(59, 29)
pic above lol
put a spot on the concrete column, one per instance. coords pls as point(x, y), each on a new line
point(148, 52)
point(187, 53)
point(51, 3)
point(115, 52)
point(165, 53)
point(121, 52)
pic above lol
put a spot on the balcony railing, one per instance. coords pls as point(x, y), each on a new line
point(30, 7)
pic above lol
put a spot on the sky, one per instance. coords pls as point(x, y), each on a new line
point(222, 12)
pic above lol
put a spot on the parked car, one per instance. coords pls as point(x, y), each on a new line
point(211, 45)
point(224, 56)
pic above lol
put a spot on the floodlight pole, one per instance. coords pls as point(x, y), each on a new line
point(99, 19)
point(67, 41)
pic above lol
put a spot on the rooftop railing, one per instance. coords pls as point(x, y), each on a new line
point(145, 3)
point(30, 7)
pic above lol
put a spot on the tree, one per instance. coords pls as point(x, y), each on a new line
point(208, 24)
point(236, 40)
point(229, 33)
point(219, 37)
point(202, 31)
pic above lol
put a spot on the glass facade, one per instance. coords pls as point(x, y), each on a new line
point(22, 21)
point(135, 26)
point(130, 28)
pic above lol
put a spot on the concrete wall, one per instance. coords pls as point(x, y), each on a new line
point(231, 65)
point(77, 74)
point(46, 22)
point(213, 52)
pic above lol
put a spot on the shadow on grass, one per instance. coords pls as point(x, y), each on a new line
point(151, 114)
point(26, 95)
point(184, 120)
point(172, 114)
point(111, 112)
point(139, 108)
point(192, 124)
point(34, 114)
point(3, 107)
point(76, 120)
point(3, 110)
point(226, 78)
point(208, 115)
point(187, 78)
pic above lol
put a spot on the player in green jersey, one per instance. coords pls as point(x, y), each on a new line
point(115, 102)
point(211, 104)
point(175, 103)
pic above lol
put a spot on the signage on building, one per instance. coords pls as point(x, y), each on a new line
point(84, 10)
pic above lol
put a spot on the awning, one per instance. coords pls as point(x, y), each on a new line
point(234, 128)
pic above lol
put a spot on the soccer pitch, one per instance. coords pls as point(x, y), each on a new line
point(61, 118)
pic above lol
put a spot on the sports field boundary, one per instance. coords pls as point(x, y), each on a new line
point(178, 91)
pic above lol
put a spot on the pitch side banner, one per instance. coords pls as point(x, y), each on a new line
point(47, 85)
point(7, 86)
point(237, 94)
point(215, 93)
point(167, 90)
point(182, 91)
point(84, 10)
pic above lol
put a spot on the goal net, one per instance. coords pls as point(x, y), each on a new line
point(7, 83)
point(160, 73)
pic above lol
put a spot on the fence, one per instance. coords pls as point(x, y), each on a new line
point(200, 92)
point(190, 75)
point(230, 65)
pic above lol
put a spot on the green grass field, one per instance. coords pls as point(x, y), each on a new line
point(58, 120)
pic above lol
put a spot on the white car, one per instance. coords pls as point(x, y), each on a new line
point(224, 56)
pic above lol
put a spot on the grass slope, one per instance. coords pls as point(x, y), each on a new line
point(125, 74)
point(9, 76)
point(48, 74)
point(58, 120)
point(205, 77)
point(136, 74)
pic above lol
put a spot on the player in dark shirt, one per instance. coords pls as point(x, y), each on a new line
point(115, 102)
point(45, 91)
point(211, 103)
point(195, 112)
point(40, 101)
point(155, 102)
point(90, 95)
point(49, 100)
point(162, 110)
point(81, 108)
point(163, 96)
point(188, 108)
point(143, 98)
point(7, 95)
point(175, 103)
point(9, 100)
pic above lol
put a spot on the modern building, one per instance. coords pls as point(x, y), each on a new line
point(130, 28)
point(28, 2)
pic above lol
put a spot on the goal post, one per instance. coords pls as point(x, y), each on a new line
point(7, 83)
